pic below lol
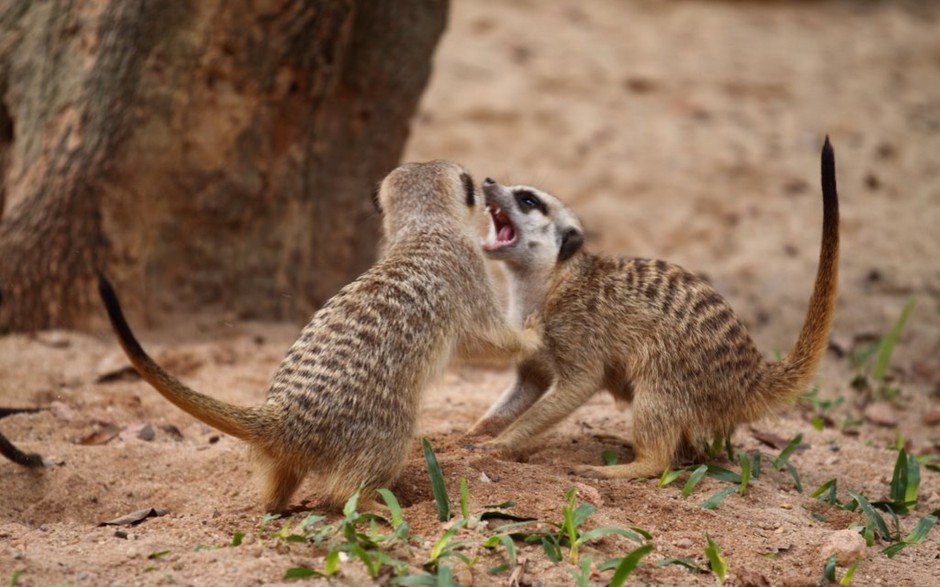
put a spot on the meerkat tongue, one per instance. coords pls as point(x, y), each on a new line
point(506, 233)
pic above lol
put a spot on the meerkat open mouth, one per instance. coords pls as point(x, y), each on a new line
point(502, 232)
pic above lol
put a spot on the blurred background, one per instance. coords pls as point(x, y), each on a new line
point(691, 131)
point(217, 158)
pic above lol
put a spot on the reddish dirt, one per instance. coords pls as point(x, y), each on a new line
point(684, 130)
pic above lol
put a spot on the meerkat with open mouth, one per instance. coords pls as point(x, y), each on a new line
point(344, 402)
point(645, 330)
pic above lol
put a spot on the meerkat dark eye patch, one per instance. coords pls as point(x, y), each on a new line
point(469, 189)
point(528, 201)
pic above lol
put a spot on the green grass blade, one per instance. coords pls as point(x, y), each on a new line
point(349, 509)
point(829, 571)
point(301, 573)
point(755, 464)
point(628, 564)
point(464, 498)
point(582, 576)
point(609, 531)
point(609, 457)
point(899, 478)
point(237, 538)
point(913, 481)
point(394, 508)
point(715, 500)
point(552, 548)
point(886, 346)
point(875, 521)
point(445, 578)
point(642, 532)
point(849, 573)
point(507, 543)
point(722, 474)
point(581, 514)
point(14, 578)
point(670, 475)
point(694, 478)
point(829, 488)
point(437, 482)
point(442, 542)
point(784, 457)
point(717, 563)
point(795, 475)
point(414, 580)
point(917, 535)
point(745, 472)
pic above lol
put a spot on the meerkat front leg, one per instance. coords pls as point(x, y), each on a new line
point(532, 381)
point(568, 393)
point(491, 336)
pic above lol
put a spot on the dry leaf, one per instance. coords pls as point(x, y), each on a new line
point(135, 517)
point(103, 435)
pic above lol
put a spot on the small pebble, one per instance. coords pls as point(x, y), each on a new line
point(683, 543)
point(882, 414)
point(847, 545)
point(932, 417)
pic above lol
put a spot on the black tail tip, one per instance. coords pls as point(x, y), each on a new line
point(104, 287)
point(828, 157)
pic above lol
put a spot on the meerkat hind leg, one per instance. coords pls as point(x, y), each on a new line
point(278, 486)
point(655, 441)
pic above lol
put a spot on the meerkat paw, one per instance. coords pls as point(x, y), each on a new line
point(497, 449)
point(374, 506)
point(532, 335)
point(472, 443)
point(486, 428)
point(590, 471)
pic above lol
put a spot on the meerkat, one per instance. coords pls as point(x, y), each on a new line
point(647, 331)
point(344, 401)
point(10, 451)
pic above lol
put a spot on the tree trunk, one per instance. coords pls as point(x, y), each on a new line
point(212, 153)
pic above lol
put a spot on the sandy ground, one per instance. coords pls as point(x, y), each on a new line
point(682, 130)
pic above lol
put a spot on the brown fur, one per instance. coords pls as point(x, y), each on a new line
point(648, 332)
point(344, 401)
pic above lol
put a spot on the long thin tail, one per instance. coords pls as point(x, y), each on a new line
point(240, 422)
point(795, 372)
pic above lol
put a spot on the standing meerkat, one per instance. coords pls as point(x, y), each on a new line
point(344, 401)
point(645, 330)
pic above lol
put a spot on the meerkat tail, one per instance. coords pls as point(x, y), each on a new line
point(236, 421)
point(797, 369)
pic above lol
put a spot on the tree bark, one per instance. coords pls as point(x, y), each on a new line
point(213, 154)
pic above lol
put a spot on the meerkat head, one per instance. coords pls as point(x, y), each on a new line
point(529, 228)
point(417, 194)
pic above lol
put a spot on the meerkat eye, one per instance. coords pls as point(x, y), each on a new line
point(469, 189)
point(527, 200)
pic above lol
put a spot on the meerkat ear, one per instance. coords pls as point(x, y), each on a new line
point(375, 198)
point(469, 188)
point(571, 242)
